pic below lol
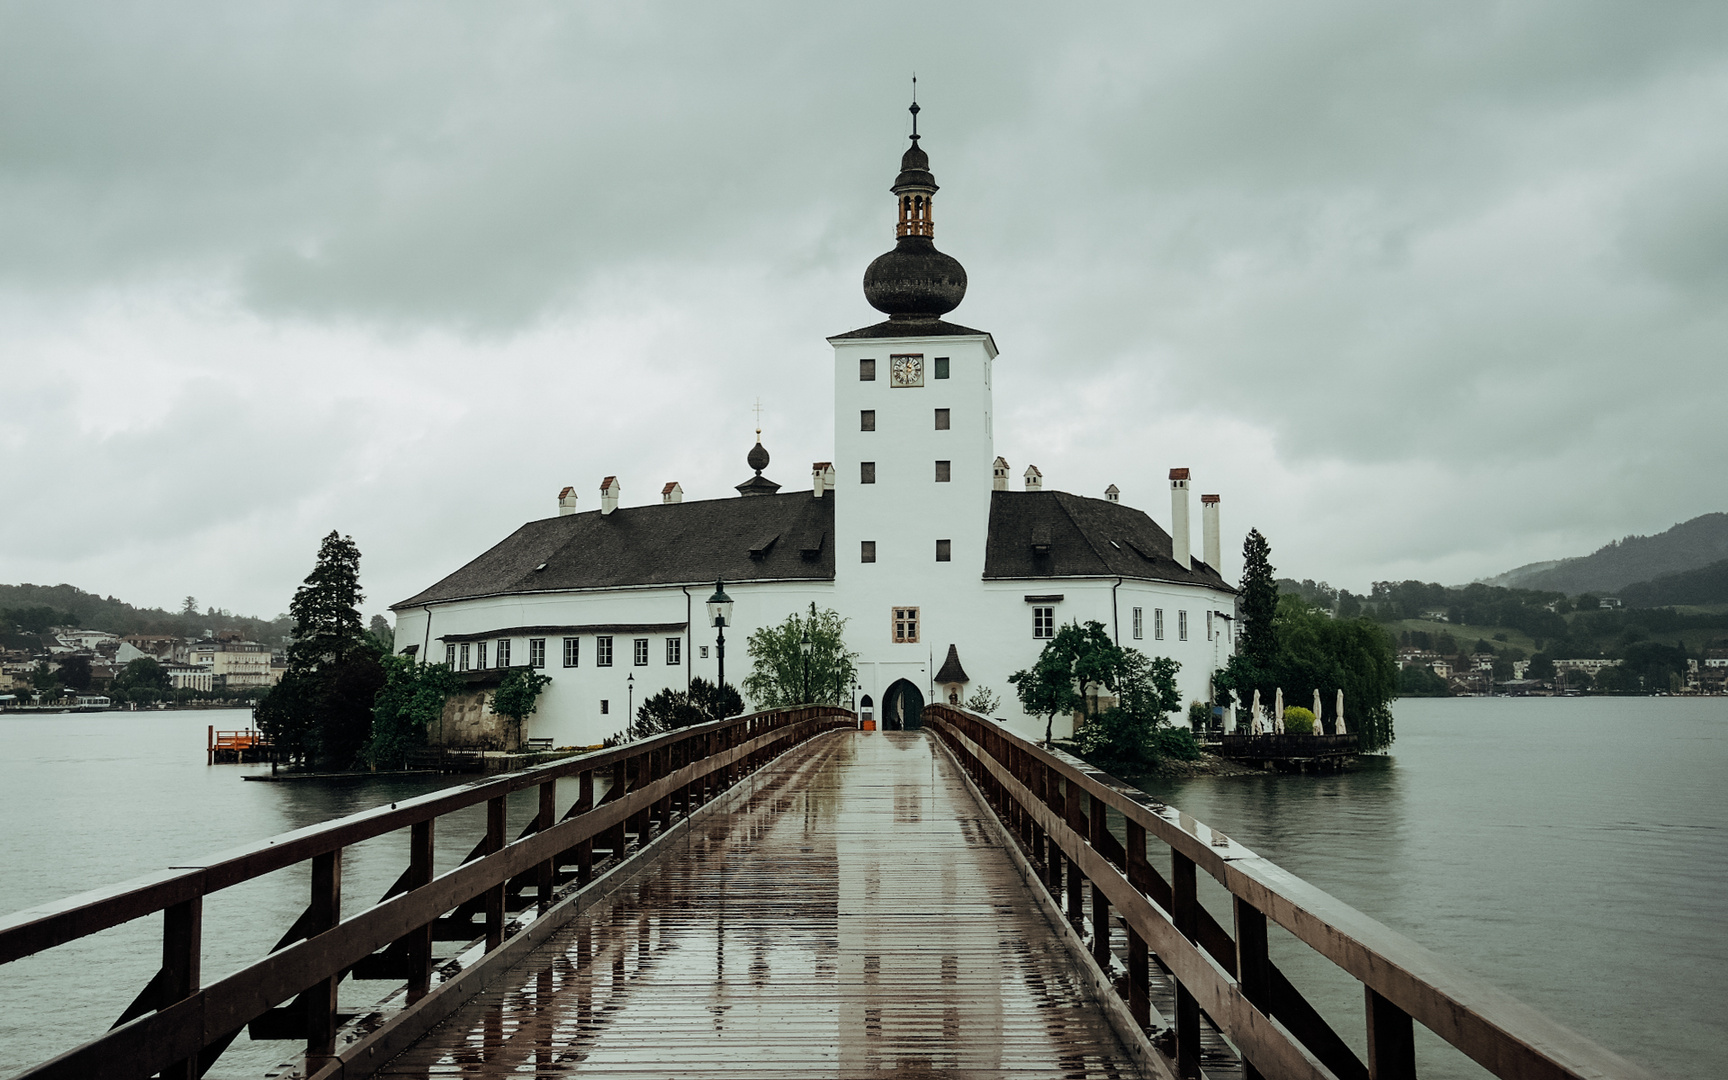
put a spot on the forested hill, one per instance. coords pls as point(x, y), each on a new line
point(1705, 585)
point(1688, 546)
point(28, 610)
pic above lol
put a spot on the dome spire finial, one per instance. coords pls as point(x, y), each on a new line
point(914, 110)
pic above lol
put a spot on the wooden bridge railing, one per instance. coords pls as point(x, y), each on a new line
point(178, 1025)
point(1058, 811)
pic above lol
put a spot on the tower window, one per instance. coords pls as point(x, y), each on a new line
point(867, 551)
point(1139, 624)
point(905, 626)
point(866, 371)
point(572, 651)
point(1043, 623)
point(867, 420)
point(941, 367)
point(944, 551)
point(866, 472)
point(941, 419)
point(605, 706)
point(603, 651)
point(944, 470)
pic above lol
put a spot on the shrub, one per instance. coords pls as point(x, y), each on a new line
point(1298, 721)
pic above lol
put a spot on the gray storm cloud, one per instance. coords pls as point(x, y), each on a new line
point(1423, 291)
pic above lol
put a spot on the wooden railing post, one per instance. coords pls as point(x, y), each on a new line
point(1096, 819)
point(1053, 850)
point(1076, 822)
point(1139, 968)
point(495, 895)
point(585, 850)
point(323, 914)
point(1185, 904)
point(1391, 1040)
point(1253, 966)
point(548, 816)
point(182, 950)
point(419, 945)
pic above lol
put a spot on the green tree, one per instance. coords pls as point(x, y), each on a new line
point(1076, 658)
point(1259, 602)
point(382, 634)
point(518, 695)
point(1135, 730)
point(671, 709)
point(410, 702)
point(1418, 680)
point(75, 673)
point(983, 701)
point(322, 708)
point(782, 674)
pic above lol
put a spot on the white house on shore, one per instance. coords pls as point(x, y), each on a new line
point(949, 580)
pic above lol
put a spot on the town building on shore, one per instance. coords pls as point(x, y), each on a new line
point(949, 577)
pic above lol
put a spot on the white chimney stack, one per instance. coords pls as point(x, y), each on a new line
point(1180, 547)
point(567, 502)
point(1209, 531)
point(608, 495)
point(1034, 479)
point(1113, 494)
point(999, 473)
point(673, 492)
point(821, 478)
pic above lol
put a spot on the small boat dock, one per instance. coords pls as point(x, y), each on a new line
point(236, 747)
point(1290, 753)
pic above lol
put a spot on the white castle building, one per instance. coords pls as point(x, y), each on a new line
point(949, 580)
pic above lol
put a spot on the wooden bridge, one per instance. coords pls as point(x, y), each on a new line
point(780, 895)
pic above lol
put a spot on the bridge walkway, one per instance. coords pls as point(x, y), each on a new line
point(854, 916)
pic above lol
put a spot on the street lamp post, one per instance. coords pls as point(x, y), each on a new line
point(720, 617)
point(804, 650)
point(630, 698)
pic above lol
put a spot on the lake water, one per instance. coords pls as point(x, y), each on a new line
point(1575, 852)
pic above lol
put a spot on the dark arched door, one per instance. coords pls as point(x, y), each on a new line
point(902, 707)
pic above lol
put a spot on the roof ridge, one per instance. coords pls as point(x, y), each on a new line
point(1081, 529)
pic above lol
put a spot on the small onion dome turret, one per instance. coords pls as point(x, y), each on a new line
point(915, 281)
point(757, 459)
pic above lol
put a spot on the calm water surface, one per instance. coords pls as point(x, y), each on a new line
point(1575, 852)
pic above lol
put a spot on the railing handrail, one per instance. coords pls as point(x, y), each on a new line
point(1506, 1036)
point(44, 926)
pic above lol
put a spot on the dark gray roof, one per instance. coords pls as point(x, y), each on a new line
point(951, 671)
point(894, 328)
point(764, 538)
point(1052, 534)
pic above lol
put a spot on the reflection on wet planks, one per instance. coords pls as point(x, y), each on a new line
point(855, 917)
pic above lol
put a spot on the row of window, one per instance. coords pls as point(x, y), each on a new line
point(867, 472)
point(867, 551)
point(472, 656)
point(867, 420)
point(1158, 624)
point(938, 369)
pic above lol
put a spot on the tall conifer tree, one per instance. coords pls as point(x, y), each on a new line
point(1259, 602)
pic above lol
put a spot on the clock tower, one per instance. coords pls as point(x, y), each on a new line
point(913, 447)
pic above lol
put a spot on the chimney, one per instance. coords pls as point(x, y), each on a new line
point(1000, 473)
point(1034, 479)
point(1113, 494)
point(567, 502)
point(1180, 549)
point(1209, 530)
point(821, 478)
point(608, 495)
point(673, 492)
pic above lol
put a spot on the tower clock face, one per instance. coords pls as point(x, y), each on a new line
point(906, 369)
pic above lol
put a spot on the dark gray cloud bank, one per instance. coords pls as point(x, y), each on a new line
point(1424, 291)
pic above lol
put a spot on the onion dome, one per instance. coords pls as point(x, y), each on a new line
point(757, 459)
point(915, 281)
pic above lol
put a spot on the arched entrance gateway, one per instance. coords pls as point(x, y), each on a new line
point(902, 707)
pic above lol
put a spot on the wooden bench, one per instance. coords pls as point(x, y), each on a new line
point(539, 745)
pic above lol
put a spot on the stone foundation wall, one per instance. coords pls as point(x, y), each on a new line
point(470, 721)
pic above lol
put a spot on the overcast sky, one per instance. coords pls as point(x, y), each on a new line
point(1422, 290)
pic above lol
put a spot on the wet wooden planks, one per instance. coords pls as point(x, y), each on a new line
point(855, 918)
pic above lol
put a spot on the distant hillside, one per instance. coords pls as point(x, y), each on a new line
point(27, 610)
point(1688, 546)
point(1705, 585)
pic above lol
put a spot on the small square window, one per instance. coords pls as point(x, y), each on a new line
point(1158, 624)
point(905, 626)
point(603, 651)
point(605, 706)
point(503, 652)
point(463, 663)
point(702, 652)
point(941, 367)
point(866, 371)
point(866, 472)
point(944, 551)
point(674, 651)
point(1182, 626)
point(942, 419)
point(639, 654)
point(537, 652)
point(867, 551)
point(1139, 624)
point(1043, 623)
point(944, 470)
point(866, 419)
point(450, 656)
point(572, 651)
